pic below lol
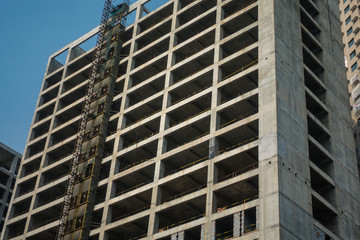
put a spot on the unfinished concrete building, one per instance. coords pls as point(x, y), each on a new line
point(350, 26)
point(9, 165)
point(229, 119)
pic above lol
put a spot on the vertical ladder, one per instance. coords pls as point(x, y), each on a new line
point(80, 192)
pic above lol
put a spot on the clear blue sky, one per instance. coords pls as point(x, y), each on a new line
point(30, 32)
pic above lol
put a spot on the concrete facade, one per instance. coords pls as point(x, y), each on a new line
point(9, 165)
point(229, 120)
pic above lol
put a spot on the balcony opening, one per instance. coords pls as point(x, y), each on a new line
point(237, 164)
point(148, 71)
point(68, 115)
point(134, 180)
point(35, 148)
point(50, 194)
point(130, 206)
point(191, 87)
point(61, 152)
point(63, 134)
point(311, 44)
point(146, 91)
point(72, 97)
point(151, 53)
point(31, 167)
point(320, 159)
point(140, 133)
point(48, 96)
point(154, 18)
point(104, 171)
point(189, 110)
point(153, 35)
point(57, 61)
point(195, 28)
point(196, 45)
point(188, 133)
point(196, 10)
point(76, 80)
point(100, 194)
point(108, 148)
point(309, 6)
point(322, 186)
point(15, 229)
point(181, 213)
point(45, 217)
point(40, 130)
point(239, 86)
point(238, 137)
point(192, 67)
point(238, 111)
point(44, 112)
point(51, 81)
point(310, 24)
point(239, 64)
point(317, 109)
point(112, 127)
point(83, 48)
point(21, 207)
point(224, 228)
point(133, 230)
point(186, 159)
point(324, 215)
point(319, 134)
point(82, 62)
point(137, 156)
point(184, 185)
point(53, 174)
point(144, 111)
point(250, 220)
point(239, 22)
point(235, 6)
point(236, 194)
point(314, 86)
point(239, 43)
point(96, 219)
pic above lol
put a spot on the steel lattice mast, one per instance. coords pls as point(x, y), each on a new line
point(83, 177)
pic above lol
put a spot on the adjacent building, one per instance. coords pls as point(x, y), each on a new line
point(350, 26)
point(9, 165)
point(229, 119)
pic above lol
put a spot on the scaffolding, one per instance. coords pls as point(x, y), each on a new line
point(80, 193)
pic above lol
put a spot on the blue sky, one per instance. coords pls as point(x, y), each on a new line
point(30, 32)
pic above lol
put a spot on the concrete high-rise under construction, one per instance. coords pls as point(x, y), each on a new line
point(9, 165)
point(220, 119)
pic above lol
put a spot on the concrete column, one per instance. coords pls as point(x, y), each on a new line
point(14, 163)
point(213, 230)
point(211, 235)
point(181, 235)
point(202, 232)
point(236, 228)
point(109, 215)
point(257, 217)
point(213, 144)
point(268, 180)
point(174, 236)
point(153, 226)
point(242, 223)
point(178, 236)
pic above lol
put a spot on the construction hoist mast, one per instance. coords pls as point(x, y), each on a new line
point(79, 200)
